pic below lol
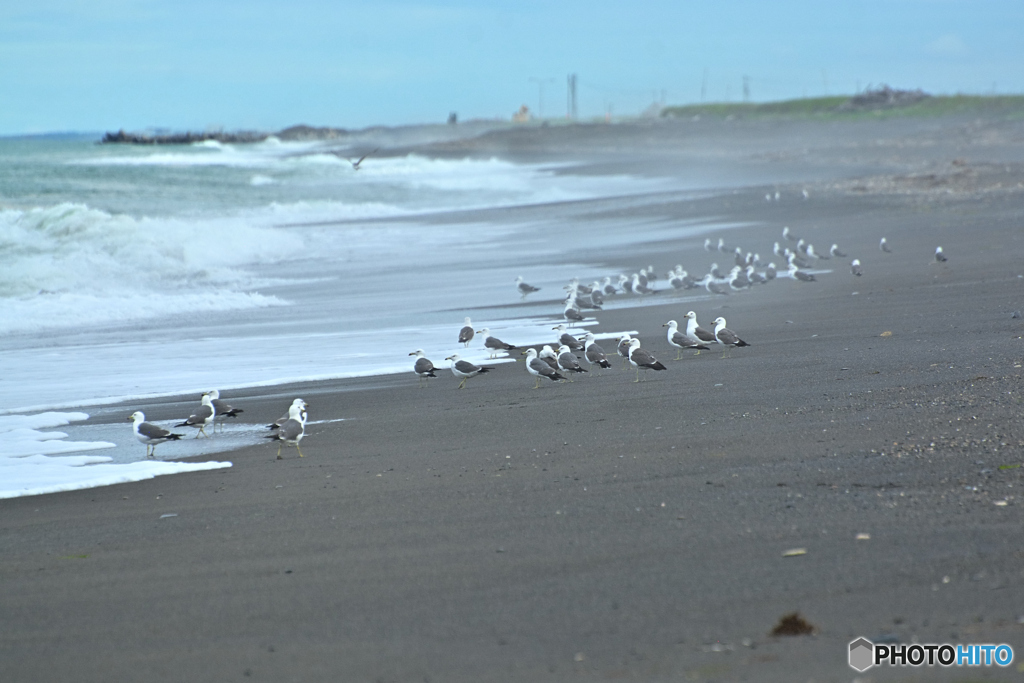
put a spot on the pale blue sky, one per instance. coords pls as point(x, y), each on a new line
point(189, 64)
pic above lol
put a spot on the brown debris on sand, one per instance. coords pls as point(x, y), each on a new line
point(793, 624)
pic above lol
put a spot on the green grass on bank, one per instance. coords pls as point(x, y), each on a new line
point(829, 108)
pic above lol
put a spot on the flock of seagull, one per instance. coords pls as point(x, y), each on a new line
point(212, 410)
point(559, 362)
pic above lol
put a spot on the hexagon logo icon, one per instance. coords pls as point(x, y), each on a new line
point(862, 654)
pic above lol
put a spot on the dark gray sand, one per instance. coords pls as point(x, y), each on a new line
point(607, 530)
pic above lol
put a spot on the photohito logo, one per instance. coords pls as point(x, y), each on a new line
point(864, 654)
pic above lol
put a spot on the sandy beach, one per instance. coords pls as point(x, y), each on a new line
point(605, 529)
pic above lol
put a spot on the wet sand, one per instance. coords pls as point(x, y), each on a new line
point(605, 529)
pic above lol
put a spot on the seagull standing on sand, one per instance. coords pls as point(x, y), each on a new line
point(788, 235)
point(594, 353)
point(639, 358)
point(291, 430)
point(422, 367)
point(623, 350)
point(939, 256)
point(150, 434)
point(884, 246)
point(524, 288)
point(276, 424)
point(203, 416)
point(798, 274)
point(725, 336)
point(548, 355)
point(567, 362)
point(680, 340)
point(835, 251)
point(538, 368)
point(493, 344)
point(463, 369)
point(466, 333)
point(567, 339)
point(222, 408)
point(855, 267)
point(697, 333)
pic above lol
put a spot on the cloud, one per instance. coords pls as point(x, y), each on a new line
point(950, 45)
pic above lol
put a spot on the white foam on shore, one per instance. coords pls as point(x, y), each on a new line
point(27, 468)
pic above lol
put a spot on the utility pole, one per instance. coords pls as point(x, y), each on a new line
point(540, 93)
point(571, 112)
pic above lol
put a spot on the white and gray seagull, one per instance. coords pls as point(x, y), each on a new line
point(524, 288)
point(203, 416)
point(594, 353)
point(423, 367)
point(697, 333)
point(463, 369)
point(567, 339)
point(725, 336)
point(567, 362)
point(466, 333)
point(639, 358)
point(682, 341)
point(539, 368)
point(223, 409)
point(291, 430)
point(149, 433)
point(493, 344)
point(855, 267)
point(276, 424)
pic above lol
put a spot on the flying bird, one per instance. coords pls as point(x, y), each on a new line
point(356, 164)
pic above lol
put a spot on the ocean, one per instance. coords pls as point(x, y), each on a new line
point(134, 272)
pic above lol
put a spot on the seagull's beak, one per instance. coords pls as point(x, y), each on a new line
point(665, 325)
point(413, 353)
point(479, 331)
point(131, 418)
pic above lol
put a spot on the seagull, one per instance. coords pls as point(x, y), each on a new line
point(625, 284)
point(567, 339)
point(770, 272)
point(524, 288)
point(356, 164)
point(276, 424)
point(595, 294)
point(150, 434)
point(798, 274)
point(801, 246)
point(538, 368)
point(594, 353)
point(567, 362)
point(422, 367)
point(548, 355)
point(222, 408)
point(707, 245)
point(755, 277)
point(466, 333)
point(793, 259)
point(651, 275)
point(721, 246)
point(855, 267)
point(713, 286)
point(697, 333)
point(806, 194)
point(493, 344)
point(725, 336)
point(203, 416)
point(291, 430)
point(939, 256)
point(623, 350)
point(884, 246)
point(835, 251)
point(738, 280)
point(572, 314)
point(739, 259)
point(464, 369)
point(681, 341)
point(640, 358)
point(788, 235)
point(777, 250)
point(810, 252)
point(609, 288)
point(715, 272)
point(640, 287)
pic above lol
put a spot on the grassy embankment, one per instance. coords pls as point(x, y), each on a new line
point(830, 108)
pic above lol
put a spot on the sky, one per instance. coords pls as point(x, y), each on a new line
point(97, 65)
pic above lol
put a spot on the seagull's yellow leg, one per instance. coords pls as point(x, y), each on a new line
point(679, 354)
point(279, 451)
point(299, 450)
point(462, 384)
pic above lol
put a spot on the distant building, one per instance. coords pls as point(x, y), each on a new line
point(522, 116)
